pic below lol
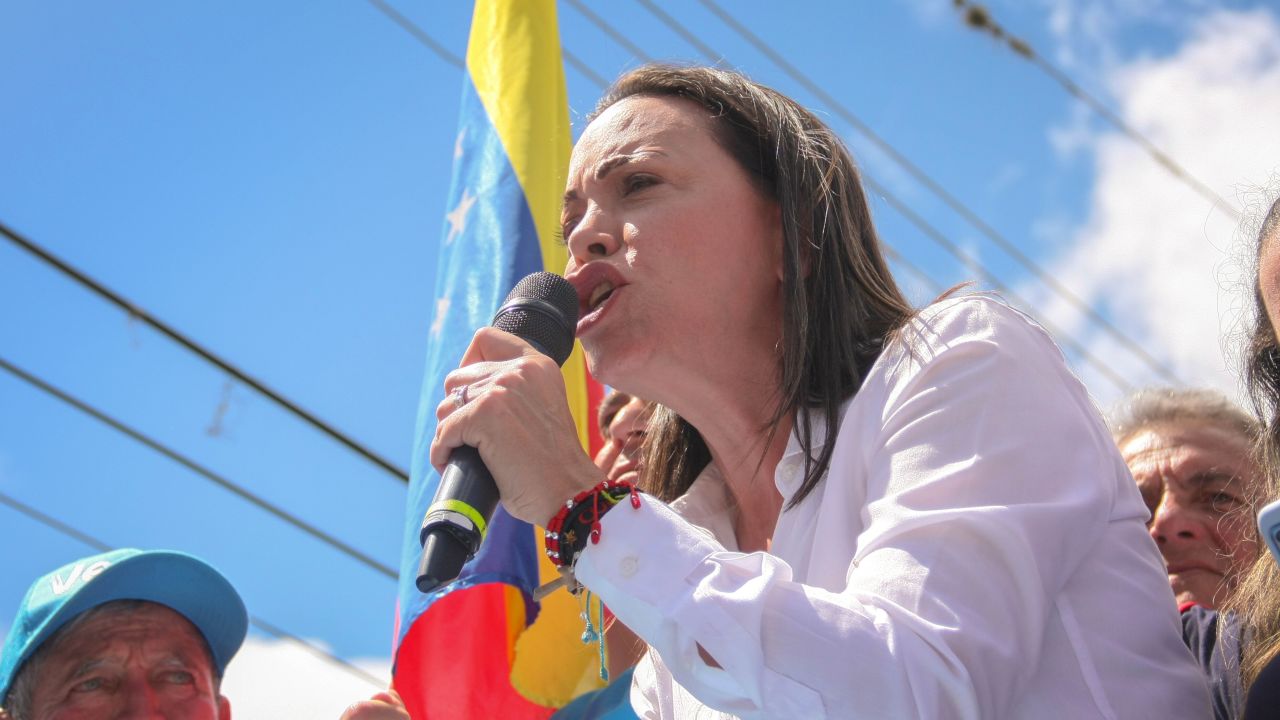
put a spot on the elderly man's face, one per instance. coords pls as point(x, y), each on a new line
point(145, 662)
point(1197, 481)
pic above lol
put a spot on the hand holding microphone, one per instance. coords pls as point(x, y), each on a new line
point(505, 412)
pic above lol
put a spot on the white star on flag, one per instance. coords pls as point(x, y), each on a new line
point(457, 144)
point(458, 216)
point(442, 309)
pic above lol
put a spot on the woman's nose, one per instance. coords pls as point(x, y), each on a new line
point(593, 237)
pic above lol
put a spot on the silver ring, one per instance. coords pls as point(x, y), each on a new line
point(459, 396)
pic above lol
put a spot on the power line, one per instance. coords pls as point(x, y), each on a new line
point(208, 355)
point(936, 236)
point(408, 26)
point(931, 232)
point(270, 628)
point(445, 54)
point(940, 239)
point(937, 189)
point(978, 17)
point(611, 31)
point(198, 469)
point(585, 69)
point(675, 26)
point(911, 267)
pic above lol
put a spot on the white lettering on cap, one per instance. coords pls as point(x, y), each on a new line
point(78, 573)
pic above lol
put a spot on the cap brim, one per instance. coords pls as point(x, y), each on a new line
point(186, 584)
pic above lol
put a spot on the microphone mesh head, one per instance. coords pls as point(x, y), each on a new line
point(542, 310)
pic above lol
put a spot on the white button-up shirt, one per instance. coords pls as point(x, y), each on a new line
point(977, 550)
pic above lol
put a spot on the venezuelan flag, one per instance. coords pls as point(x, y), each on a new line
point(481, 648)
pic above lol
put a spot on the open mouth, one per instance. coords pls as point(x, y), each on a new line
point(599, 295)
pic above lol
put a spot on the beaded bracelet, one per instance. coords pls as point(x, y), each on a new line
point(579, 519)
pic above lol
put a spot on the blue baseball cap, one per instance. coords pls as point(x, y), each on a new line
point(181, 582)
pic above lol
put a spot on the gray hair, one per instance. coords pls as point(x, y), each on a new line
point(18, 701)
point(1166, 405)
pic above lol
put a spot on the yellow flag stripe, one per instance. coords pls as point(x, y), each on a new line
point(514, 60)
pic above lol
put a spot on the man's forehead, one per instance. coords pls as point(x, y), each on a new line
point(159, 630)
point(1186, 433)
point(1188, 448)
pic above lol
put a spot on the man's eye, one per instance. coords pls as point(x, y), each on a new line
point(179, 677)
point(90, 685)
point(1223, 501)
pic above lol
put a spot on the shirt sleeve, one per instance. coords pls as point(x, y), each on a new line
point(988, 477)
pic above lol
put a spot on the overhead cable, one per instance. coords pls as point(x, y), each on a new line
point(979, 18)
point(200, 350)
point(949, 199)
point(198, 469)
point(267, 627)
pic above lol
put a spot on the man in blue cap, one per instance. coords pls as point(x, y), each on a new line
point(128, 633)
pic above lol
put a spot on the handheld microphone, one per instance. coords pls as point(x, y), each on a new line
point(542, 310)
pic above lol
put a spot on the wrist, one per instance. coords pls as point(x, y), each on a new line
point(567, 487)
point(578, 519)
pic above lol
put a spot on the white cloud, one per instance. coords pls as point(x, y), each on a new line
point(281, 680)
point(930, 13)
point(1085, 31)
point(1076, 135)
point(1156, 255)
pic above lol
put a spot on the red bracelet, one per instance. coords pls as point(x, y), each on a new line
point(580, 517)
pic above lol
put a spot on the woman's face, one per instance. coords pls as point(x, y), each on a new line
point(675, 254)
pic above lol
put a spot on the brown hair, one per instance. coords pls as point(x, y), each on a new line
point(1256, 600)
point(840, 302)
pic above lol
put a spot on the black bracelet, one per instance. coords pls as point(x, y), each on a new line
point(579, 519)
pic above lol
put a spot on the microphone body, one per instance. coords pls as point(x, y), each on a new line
point(542, 310)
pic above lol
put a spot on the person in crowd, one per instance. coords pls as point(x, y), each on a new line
point(127, 633)
point(1190, 452)
point(1253, 610)
point(854, 508)
point(622, 425)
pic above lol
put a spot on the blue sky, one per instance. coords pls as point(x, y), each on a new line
point(270, 178)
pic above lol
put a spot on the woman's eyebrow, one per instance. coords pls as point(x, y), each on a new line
point(618, 161)
point(613, 163)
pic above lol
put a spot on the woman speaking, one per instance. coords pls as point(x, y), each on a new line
point(852, 508)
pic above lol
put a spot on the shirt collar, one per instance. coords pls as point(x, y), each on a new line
point(790, 472)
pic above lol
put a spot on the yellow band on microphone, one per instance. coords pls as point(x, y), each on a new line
point(463, 509)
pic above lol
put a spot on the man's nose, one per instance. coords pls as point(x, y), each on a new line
point(1174, 523)
point(141, 701)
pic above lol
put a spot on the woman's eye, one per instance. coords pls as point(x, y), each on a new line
point(638, 182)
point(566, 229)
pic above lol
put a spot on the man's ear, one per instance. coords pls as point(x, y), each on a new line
point(224, 709)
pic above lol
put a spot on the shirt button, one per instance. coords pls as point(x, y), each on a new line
point(628, 566)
